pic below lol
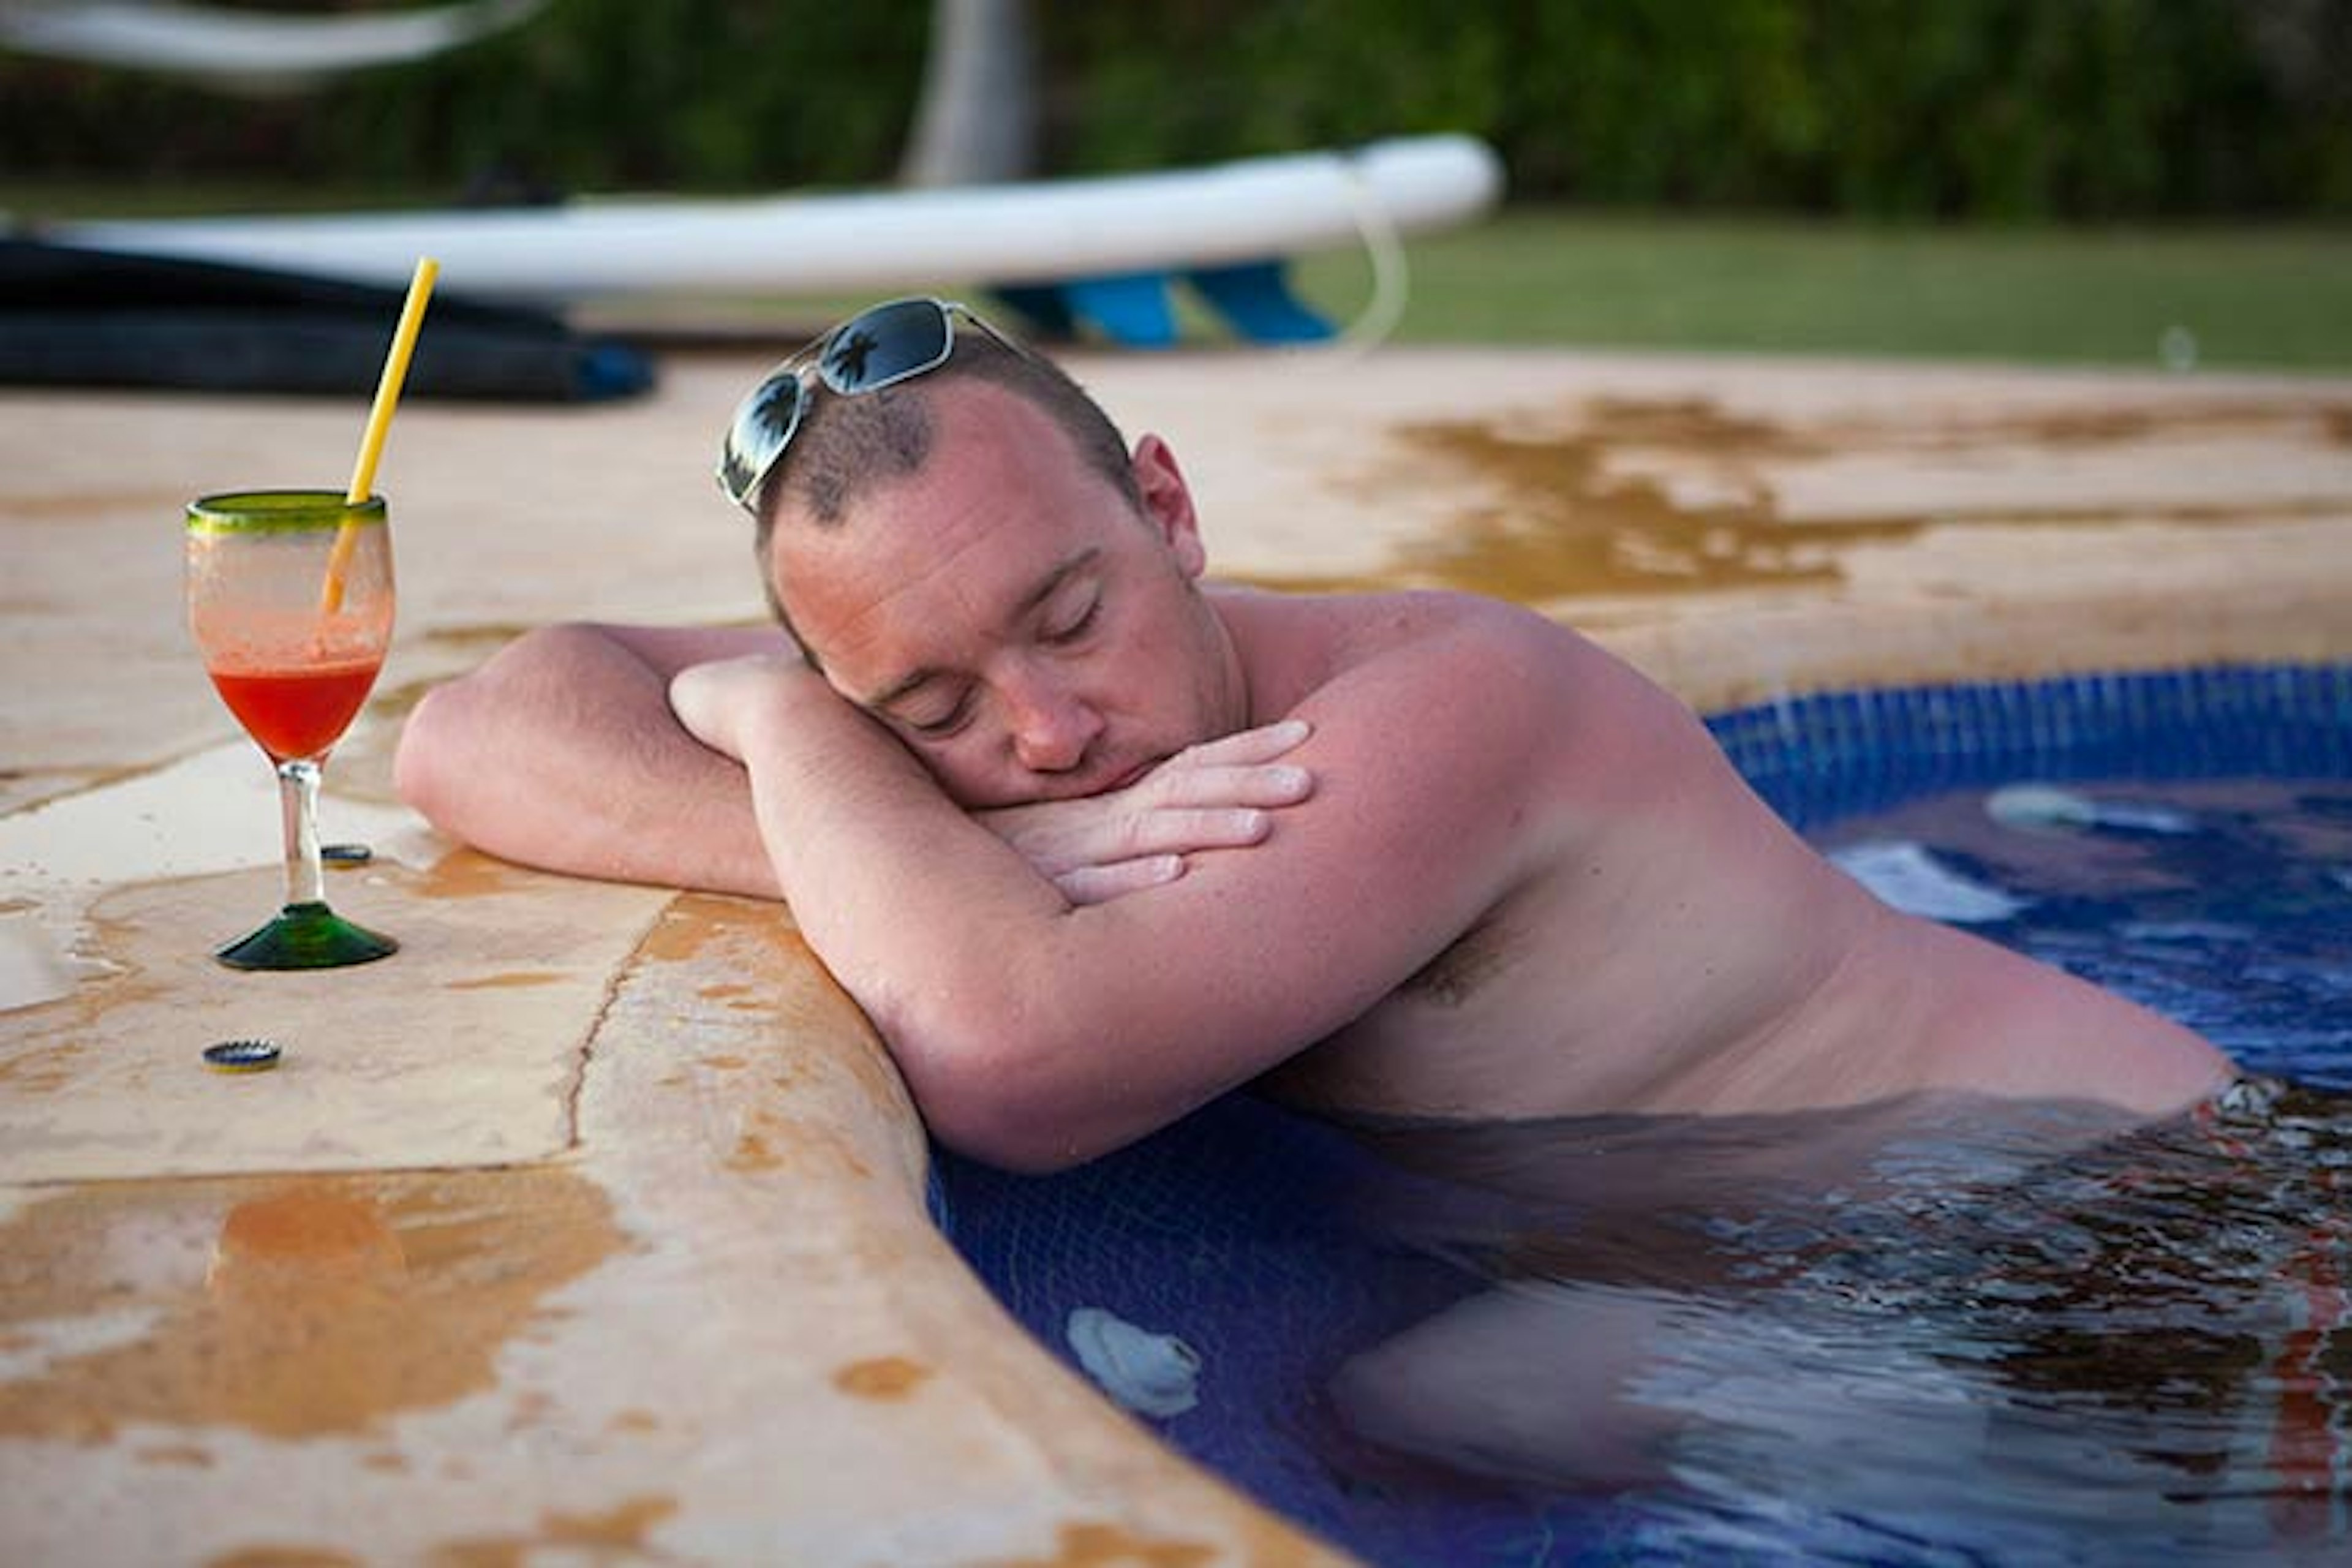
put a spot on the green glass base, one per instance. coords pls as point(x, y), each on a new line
point(305, 936)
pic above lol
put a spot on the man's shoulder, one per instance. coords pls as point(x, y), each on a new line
point(1458, 668)
point(1488, 652)
point(1447, 662)
point(1360, 627)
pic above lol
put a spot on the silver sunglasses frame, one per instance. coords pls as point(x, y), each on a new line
point(814, 364)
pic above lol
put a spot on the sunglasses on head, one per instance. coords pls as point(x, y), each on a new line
point(889, 343)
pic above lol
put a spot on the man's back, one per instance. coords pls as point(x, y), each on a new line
point(1660, 942)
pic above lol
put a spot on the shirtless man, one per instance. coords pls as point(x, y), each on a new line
point(1092, 842)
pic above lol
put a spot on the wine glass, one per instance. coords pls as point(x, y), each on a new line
point(289, 599)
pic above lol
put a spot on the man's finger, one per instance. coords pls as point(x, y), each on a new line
point(1173, 832)
point(1101, 884)
point(1245, 747)
point(1259, 784)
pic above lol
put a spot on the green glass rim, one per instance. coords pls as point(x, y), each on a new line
point(280, 512)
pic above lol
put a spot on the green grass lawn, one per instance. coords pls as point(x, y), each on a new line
point(2243, 297)
point(2229, 297)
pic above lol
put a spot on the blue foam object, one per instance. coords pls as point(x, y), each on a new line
point(1137, 310)
point(1256, 299)
point(1132, 308)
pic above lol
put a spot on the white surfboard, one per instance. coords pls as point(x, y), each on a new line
point(1037, 232)
point(246, 51)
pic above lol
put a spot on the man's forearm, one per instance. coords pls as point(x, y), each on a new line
point(909, 902)
point(995, 991)
point(563, 752)
point(863, 837)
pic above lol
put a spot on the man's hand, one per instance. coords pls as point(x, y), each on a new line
point(1218, 794)
point(712, 699)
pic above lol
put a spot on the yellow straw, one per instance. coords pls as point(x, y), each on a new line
point(387, 396)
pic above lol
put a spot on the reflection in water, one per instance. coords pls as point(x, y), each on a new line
point(1986, 1327)
point(1586, 507)
point(34, 966)
point(1569, 517)
point(309, 1290)
point(2146, 1339)
point(289, 1308)
point(1934, 1332)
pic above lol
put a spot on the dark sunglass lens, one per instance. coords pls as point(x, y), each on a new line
point(762, 425)
point(886, 344)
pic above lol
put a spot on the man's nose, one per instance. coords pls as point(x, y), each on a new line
point(1052, 727)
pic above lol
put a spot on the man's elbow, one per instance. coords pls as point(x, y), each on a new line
point(425, 766)
point(453, 767)
point(1009, 1143)
point(995, 1101)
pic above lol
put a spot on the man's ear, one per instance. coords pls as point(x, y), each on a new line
point(1167, 502)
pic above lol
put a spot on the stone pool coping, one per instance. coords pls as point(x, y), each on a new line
point(594, 1222)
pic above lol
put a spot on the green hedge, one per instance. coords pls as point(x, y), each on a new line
point(2010, 109)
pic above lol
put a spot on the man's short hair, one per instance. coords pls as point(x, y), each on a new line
point(846, 443)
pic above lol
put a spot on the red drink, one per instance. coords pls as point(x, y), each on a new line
point(289, 600)
point(300, 711)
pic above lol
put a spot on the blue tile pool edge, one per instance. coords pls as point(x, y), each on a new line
point(1818, 757)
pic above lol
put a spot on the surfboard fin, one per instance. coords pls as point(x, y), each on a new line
point(1256, 299)
point(1132, 308)
point(1137, 310)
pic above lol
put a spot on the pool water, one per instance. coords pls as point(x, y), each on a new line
point(1988, 1338)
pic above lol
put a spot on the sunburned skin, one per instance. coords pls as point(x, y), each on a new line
point(1490, 872)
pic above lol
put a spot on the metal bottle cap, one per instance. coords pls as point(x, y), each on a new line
point(242, 1056)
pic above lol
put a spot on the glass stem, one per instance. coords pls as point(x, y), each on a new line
point(298, 794)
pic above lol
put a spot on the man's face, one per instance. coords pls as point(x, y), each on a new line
point(1010, 615)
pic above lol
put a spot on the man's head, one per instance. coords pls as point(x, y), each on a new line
point(868, 430)
point(972, 554)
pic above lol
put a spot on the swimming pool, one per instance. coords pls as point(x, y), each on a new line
point(2143, 1348)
